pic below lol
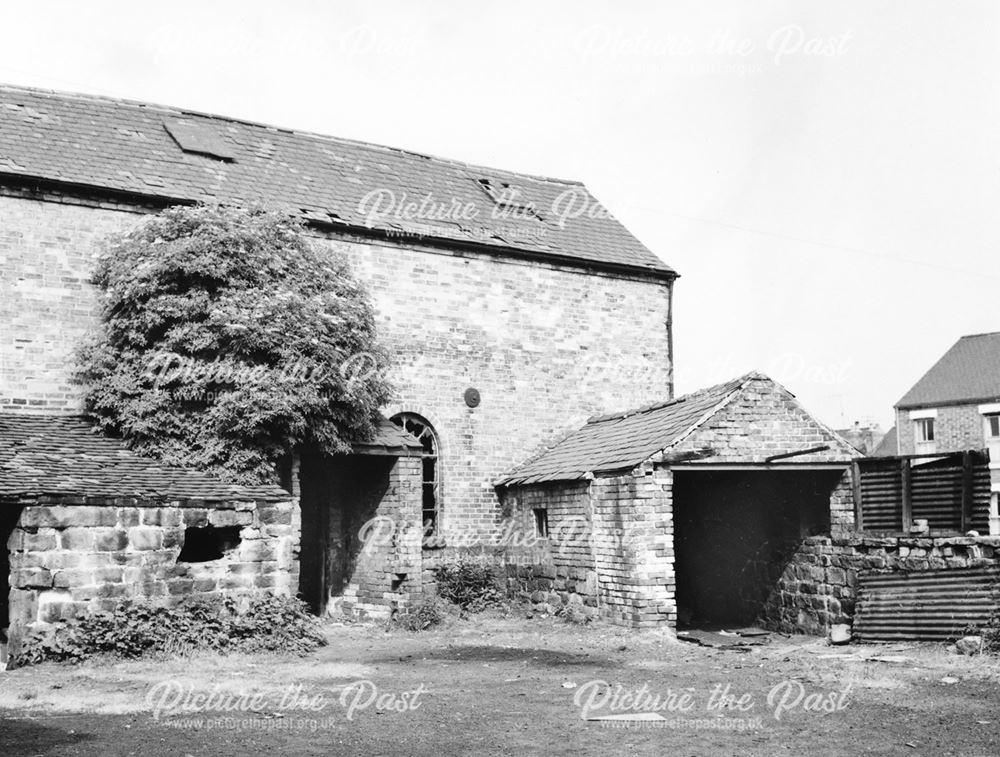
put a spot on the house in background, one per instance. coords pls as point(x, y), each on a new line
point(956, 405)
point(889, 445)
point(865, 437)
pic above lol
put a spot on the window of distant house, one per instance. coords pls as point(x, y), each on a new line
point(418, 427)
point(925, 430)
point(993, 426)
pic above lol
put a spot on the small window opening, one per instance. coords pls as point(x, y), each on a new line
point(993, 426)
point(925, 430)
point(541, 522)
point(208, 543)
point(397, 582)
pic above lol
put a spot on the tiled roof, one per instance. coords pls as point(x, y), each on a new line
point(45, 454)
point(389, 439)
point(888, 447)
point(968, 372)
point(622, 441)
point(59, 454)
point(109, 144)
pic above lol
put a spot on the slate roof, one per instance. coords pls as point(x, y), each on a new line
point(46, 454)
point(624, 440)
point(107, 144)
point(888, 447)
point(968, 372)
point(389, 439)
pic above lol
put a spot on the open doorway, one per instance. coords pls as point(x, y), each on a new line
point(9, 517)
point(734, 533)
point(339, 495)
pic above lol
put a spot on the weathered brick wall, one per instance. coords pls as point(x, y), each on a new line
point(762, 421)
point(633, 548)
point(819, 585)
point(610, 545)
point(956, 428)
point(546, 346)
point(69, 554)
point(387, 565)
point(557, 570)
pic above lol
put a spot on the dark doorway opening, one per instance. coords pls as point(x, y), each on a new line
point(339, 496)
point(9, 517)
point(734, 533)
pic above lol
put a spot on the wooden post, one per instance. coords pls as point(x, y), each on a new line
point(907, 473)
point(859, 515)
point(968, 473)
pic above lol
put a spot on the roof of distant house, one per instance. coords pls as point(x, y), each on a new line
point(65, 455)
point(170, 155)
point(622, 441)
point(968, 372)
point(888, 447)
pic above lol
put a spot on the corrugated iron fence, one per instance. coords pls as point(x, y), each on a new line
point(951, 492)
point(928, 605)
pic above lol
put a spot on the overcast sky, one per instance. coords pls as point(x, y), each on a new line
point(824, 176)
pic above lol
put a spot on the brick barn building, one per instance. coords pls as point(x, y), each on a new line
point(514, 307)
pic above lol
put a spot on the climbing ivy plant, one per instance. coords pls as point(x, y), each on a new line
point(227, 342)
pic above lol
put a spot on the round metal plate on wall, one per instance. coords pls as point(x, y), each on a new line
point(472, 398)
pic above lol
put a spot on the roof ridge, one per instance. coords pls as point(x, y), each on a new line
point(177, 110)
point(621, 415)
point(975, 336)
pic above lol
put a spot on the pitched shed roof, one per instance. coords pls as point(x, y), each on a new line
point(624, 440)
point(174, 155)
point(45, 454)
point(968, 372)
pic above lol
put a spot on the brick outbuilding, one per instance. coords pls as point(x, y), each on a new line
point(687, 509)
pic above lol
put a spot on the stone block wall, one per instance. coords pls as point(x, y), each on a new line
point(819, 584)
point(70, 555)
point(546, 345)
point(956, 428)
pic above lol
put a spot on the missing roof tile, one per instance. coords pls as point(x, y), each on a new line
point(199, 139)
point(510, 198)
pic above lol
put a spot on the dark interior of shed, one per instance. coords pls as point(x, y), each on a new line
point(734, 532)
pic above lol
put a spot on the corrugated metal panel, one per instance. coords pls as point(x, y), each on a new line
point(929, 605)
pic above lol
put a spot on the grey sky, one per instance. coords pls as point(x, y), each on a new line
point(824, 176)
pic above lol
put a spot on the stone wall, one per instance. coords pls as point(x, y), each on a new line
point(819, 584)
point(70, 555)
point(546, 345)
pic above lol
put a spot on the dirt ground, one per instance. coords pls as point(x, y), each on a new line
point(495, 686)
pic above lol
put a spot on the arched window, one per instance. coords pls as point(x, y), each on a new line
point(417, 426)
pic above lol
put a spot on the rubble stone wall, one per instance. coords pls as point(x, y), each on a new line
point(70, 555)
point(818, 586)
